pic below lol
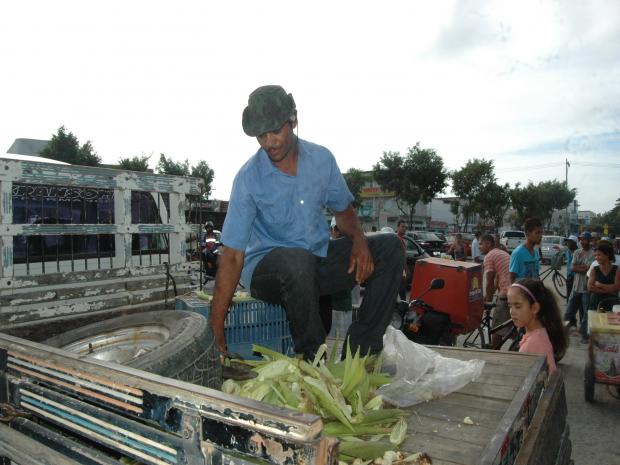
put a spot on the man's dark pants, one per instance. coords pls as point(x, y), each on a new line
point(295, 279)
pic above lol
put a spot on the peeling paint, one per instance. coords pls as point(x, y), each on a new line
point(273, 449)
point(44, 297)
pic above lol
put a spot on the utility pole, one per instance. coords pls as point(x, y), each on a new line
point(567, 232)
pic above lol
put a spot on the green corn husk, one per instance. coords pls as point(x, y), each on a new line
point(399, 432)
point(336, 428)
point(266, 352)
point(365, 450)
point(374, 404)
point(326, 401)
point(377, 417)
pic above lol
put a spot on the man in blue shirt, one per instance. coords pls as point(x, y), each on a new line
point(525, 259)
point(276, 239)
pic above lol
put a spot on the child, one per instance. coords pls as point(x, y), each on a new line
point(534, 308)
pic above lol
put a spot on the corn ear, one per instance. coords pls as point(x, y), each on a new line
point(375, 417)
point(399, 432)
point(326, 401)
point(374, 404)
point(319, 355)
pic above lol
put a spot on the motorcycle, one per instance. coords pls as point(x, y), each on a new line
point(421, 322)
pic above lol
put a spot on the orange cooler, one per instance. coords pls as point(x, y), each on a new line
point(461, 297)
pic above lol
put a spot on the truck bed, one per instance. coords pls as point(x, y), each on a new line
point(502, 404)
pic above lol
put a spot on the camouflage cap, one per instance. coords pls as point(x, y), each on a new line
point(269, 107)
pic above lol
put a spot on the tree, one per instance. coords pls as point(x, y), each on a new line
point(65, 147)
point(417, 177)
point(495, 201)
point(135, 163)
point(540, 200)
point(201, 170)
point(470, 184)
point(169, 166)
point(355, 180)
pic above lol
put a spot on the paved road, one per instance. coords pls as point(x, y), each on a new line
point(594, 428)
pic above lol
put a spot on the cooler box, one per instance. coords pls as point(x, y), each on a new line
point(461, 296)
point(605, 345)
point(249, 321)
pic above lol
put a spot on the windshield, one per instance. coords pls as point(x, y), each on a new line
point(517, 234)
point(551, 239)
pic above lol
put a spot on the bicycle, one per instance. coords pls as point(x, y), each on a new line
point(482, 337)
point(558, 279)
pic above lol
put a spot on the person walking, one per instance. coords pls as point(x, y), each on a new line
point(579, 300)
point(276, 240)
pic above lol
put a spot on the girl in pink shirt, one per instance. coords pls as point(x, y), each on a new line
point(533, 307)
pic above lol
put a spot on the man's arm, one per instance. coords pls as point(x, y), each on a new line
point(490, 286)
point(576, 266)
point(361, 259)
point(230, 264)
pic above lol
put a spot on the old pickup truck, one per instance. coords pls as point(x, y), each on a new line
point(82, 245)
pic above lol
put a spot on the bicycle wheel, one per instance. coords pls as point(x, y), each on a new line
point(559, 282)
point(476, 339)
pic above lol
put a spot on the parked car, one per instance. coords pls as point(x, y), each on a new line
point(550, 246)
point(414, 252)
point(512, 239)
point(429, 241)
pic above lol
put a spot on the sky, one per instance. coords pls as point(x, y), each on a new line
point(528, 84)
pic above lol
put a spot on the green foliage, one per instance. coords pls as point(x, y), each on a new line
point(417, 177)
point(471, 183)
point(135, 163)
point(610, 218)
point(201, 170)
point(65, 147)
point(540, 200)
point(169, 166)
point(494, 202)
point(355, 180)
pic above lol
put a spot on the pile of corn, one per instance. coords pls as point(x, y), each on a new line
point(341, 393)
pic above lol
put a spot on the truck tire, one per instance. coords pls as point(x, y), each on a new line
point(174, 344)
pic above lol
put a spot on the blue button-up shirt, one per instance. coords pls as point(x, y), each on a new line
point(269, 208)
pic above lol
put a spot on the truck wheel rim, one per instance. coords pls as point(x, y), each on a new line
point(122, 345)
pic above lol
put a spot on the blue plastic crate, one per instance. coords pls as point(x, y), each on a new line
point(248, 322)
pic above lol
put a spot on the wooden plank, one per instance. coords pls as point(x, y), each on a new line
point(489, 391)
point(456, 413)
point(443, 448)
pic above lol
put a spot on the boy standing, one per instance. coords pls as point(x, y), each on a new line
point(525, 259)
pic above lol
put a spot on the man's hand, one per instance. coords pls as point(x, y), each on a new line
point(361, 259)
point(230, 263)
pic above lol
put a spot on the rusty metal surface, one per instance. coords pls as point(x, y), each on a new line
point(208, 421)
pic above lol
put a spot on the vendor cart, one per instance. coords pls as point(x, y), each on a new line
point(603, 352)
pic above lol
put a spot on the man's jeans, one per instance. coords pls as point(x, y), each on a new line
point(295, 278)
point(578, 301)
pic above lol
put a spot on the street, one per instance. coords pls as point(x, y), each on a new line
point(593, 427)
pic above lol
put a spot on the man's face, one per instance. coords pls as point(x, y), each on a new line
point(401, 229)
point(585, 243)
point(485, 247)
point(280, 143)
point(535, 235)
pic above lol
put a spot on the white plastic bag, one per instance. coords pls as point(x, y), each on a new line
point(421, 374)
